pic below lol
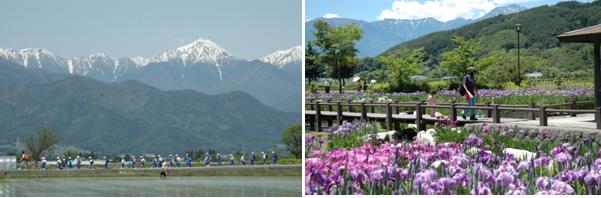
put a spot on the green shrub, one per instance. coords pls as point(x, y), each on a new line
point(380, 87)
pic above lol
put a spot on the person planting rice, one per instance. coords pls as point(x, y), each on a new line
point(142, 161)
point(232, 160)
point(274, 158)
point(78, 162)
point(242, 160)
point(164, 170)
point(253, 159)
point(106, 163)
point(69, 163)
point(122, 162)
point(44, 164)
point(59, 166)
point(24, 160)
point(264, 156)
point(177, 160)
point(91, 162)
point(218, 159)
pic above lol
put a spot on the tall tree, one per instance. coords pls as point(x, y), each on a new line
point(403, 64)
point(292, 138)
point(461, 57)
point(337, 49)
point(46, 139)
point(313, 70)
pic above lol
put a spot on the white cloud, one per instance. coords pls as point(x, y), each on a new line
point(330, 16)
point(443, 10)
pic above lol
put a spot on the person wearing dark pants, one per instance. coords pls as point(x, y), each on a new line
point(471, 93)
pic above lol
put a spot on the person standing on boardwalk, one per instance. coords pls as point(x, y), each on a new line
point(232, 160)
point(264, 156)
point(253, 159)
point(106, 162)
point(164, 170)
point(218, 159)
point(471, 93)
point(24, 160)
point(274, 158)
point(326, 85)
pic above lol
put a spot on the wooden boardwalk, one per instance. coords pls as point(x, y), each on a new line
point(318, 113)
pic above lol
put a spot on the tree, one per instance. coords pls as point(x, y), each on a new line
point(369, 64)
point(461, 57)
point(337, 49)
point(292, 138)
point(402, 64)
point(46, 139)
point(313, 70)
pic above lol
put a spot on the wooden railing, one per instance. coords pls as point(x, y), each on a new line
point(317, 111)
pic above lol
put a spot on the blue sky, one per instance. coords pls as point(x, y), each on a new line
point(247, 29)
point(372, 10)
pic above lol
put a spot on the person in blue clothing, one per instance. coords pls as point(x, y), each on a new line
point(44, 164)
point(253, 158)
point(69, 163)
point(142, 161)
point(170, 159)
point(106, 162)
point(155, 161)
point(188, 160)
point(78, 162)
point(274, 158)
point(177, 159)
point(218, 159)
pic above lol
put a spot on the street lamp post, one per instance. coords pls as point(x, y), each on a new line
point(517, 78)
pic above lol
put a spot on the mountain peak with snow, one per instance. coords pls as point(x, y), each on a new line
point(201, 50)
point(281, 58)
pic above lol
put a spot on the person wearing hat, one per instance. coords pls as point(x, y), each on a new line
point(91, 162)
point(44, 164)
point(142, 161)
point(218, 159)
point(58, 163)
point(253, 159)
point(471, 93)
point(264, 156)
point(207, 159)
point(177, 159)
point(78, 162)
point(232, 160)
point(188, 160)
point(242, 160)
point(274, 158)
point(164, 170)
point(70, 163)
point(122, 162)
point(106, 162)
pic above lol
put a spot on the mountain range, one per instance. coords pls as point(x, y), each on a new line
point(381, 35)
point(202, 65)
point(130, 116)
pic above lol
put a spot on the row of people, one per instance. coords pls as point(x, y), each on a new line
point(157, 161)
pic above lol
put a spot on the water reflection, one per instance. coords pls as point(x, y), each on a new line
point(146, 186)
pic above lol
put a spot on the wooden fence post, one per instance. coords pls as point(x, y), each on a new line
point(389, 117)
point(363, 112)
point(318, 115)
point(531, 114)
point(339, 112)
point(396, 108)
point(330, 109)
point(543, 116)
point(489, 111)
point(349, 106)
point(496, 115)
point(573, 106)
point(453, 115)
point(418, 116)
point(371, 106)
point(598, 117)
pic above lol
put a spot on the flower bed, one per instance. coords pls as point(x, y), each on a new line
point(476, 161)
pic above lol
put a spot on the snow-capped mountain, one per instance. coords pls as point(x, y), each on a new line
point(284, 57)
point(381, 35)
point(510, 9)
point(199, 51)
point(201, 65)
